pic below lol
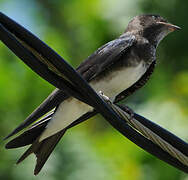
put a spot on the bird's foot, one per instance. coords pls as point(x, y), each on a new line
point(106, 98)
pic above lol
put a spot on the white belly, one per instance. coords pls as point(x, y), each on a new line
point(120, 80)
point(71, 109)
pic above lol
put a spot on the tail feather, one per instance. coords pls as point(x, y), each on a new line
point(42, 150)
point(45, 149)
point(29, 151)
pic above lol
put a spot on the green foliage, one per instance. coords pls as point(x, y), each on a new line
point(94, 150)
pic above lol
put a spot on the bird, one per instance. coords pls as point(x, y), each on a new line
point(118, 69)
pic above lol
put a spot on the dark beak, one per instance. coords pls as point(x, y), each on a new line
point(171, 27)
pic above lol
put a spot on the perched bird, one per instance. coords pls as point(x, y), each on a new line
point(118, 68)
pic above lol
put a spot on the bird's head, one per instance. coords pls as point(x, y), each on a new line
point(153, 27)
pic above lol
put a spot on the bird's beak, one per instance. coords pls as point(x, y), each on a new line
point(171, 27)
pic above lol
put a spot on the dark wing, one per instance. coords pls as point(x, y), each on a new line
point(53, 100)
point(105, 56)
point(90, 68)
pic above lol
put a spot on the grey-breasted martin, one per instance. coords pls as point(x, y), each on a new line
point(114, 68)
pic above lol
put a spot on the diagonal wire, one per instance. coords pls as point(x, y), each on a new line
point(147, 132)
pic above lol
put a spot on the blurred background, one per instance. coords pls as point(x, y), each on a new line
point(94, 150)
